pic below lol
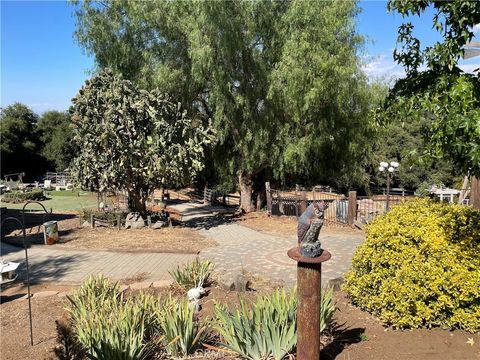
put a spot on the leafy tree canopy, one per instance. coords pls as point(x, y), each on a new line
point(453, 19)
point(281, 80)
point(133, 140)
point(19, 145)
point(442, 95)
point(56, 134)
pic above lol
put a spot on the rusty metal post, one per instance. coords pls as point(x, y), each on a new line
point(309, 279)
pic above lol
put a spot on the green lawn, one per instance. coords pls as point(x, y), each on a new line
point(64, 200)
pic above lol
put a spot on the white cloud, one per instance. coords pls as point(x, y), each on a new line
point(476, 29)
point(382, 66)
point(40, 108)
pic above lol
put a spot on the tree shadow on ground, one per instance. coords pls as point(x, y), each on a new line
point(206, 222)
point(342, 338)
point(34, 219)
point(7, 298)
point(49, 269)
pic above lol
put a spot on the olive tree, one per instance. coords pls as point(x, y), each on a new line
point(134, 140)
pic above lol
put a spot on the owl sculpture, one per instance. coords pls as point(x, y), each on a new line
point(309, 226)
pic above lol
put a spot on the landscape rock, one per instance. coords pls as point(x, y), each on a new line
point(134, 221)
point(158, 225)
point(336, 283)
point(235, 282)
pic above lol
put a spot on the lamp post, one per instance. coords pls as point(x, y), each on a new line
point(389, 168)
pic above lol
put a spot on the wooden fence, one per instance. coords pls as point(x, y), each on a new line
point(341, 211)
point(294, 203)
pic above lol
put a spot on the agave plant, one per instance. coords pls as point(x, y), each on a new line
point(267, 329)
point(181, 332)
point(195, 274)
point(264, 332)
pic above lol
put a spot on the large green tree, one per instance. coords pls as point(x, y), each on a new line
point(133, 140)
point(281, 80)
point(20, 144)
point(442, 95)
point(56, 135)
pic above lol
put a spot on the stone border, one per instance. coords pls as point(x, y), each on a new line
point(135, 286)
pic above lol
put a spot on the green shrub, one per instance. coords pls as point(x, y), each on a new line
point(194, 274)
point(18, 196)
point(108, 326)
point(267, 328)
point(420, 266)
point(110, 216)
point(181, 333)
point(111, 326)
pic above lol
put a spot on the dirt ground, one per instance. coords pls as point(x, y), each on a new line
point(363, 337)
point(356, 334)
point(15, 333)
point(283, 225)
point(176, 239)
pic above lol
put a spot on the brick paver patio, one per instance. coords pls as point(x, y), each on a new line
point(266, 255)
point(239, 248)
point(74, 266)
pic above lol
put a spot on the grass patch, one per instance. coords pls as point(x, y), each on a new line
point(61, 202)
point(64, 193)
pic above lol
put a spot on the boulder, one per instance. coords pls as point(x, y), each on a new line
point(134, 221)
point(158, 225)
point(235, 282)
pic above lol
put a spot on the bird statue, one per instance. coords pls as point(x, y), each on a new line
point(309, 225)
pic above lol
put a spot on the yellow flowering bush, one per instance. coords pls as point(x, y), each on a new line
point(420, 266)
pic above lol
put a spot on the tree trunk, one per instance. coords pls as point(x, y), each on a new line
point(475, 192)
point(246, 188)
point(136, 202)
point(260, 199)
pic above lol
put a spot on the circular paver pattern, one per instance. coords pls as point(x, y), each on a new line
point(241, 248)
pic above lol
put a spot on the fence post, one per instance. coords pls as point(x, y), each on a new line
point(303, 201)
point(205, 194)
point(92, 221)
point(297, 189)
point(269, 197)
point(352, 207)
point(475, 192)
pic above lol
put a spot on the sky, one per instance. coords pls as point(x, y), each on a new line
point(43, 67)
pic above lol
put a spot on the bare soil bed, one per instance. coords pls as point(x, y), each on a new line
point(356, 335)
point(364, 337)
point(175, 239)
point(283, 225)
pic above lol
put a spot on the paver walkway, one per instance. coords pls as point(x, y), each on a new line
point(241, 248)
point(74, 266)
